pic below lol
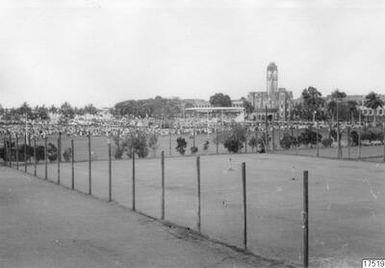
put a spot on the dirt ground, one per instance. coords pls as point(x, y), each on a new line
point(44, 225)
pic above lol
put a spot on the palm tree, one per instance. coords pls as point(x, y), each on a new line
point(373, 101)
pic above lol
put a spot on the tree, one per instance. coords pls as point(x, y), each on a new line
point(220, 100)
point(67, 111)
point(90, 109)
point(237, 136)
point(312, 102)
point(139, 143)
point(153, 142)
point(53, 109)
point(158, 107)
point(309, 137)
point(181, 145)
point(41, 112)
point(249, 108)
point(373, 101)
point(25, 109)
point(337, 94)
point(298, 111)
point(352, 108)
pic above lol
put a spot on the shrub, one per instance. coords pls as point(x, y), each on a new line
point(67, 155)
point(287, 141)
point(261, 148)
point(354, 138)
point(233, 138)
point(326, 142)
point(333, 134)
point(206, 145)
point(139, 144)
point(375, 134)
point(132, 143)
point(233, 145)
point(194, 149)
point(40, 153)
point(52, 152)
point(181, 145)
point(119, 153)
point(309, 137)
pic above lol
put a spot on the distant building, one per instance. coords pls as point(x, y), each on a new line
point(360, 100)
point(365, 111)
point(278, 102)
point(237, 103)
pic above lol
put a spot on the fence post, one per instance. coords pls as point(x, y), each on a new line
point(5, 152)
point(244, 205)
point(29, 143)
point(266, 135)
point(72, 164)
point(59, 147)
point(317, 139)
point(45, 159)
point(305, 219)
point(10, 151)
point(25, 153)
point(109, 170)
point(279, 136)
point(266, 131)
point(246, 143)
point(169, 145)
point(383, 135)
point(217, 142)
point(163, 194)
point(272, 138)
point(348, 141)
point(89, 165)
point(17, 152)
point(34, 156)
point(359, 143)
point(118, 141)
point(296, 138)
point(194, 137)
point(133, 183)
point(58, 157)
point(199, 192)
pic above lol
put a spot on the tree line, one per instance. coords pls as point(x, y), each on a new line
point(42, 112)
point(313, 106)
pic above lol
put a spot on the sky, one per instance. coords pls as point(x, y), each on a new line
point(103, 52)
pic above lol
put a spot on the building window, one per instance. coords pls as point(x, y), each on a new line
point(370, 112)
point(380, 112)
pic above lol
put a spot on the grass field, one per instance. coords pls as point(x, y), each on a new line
point(347, 203)
point(100, 150)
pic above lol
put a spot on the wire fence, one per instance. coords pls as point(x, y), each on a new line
point(241, 199)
